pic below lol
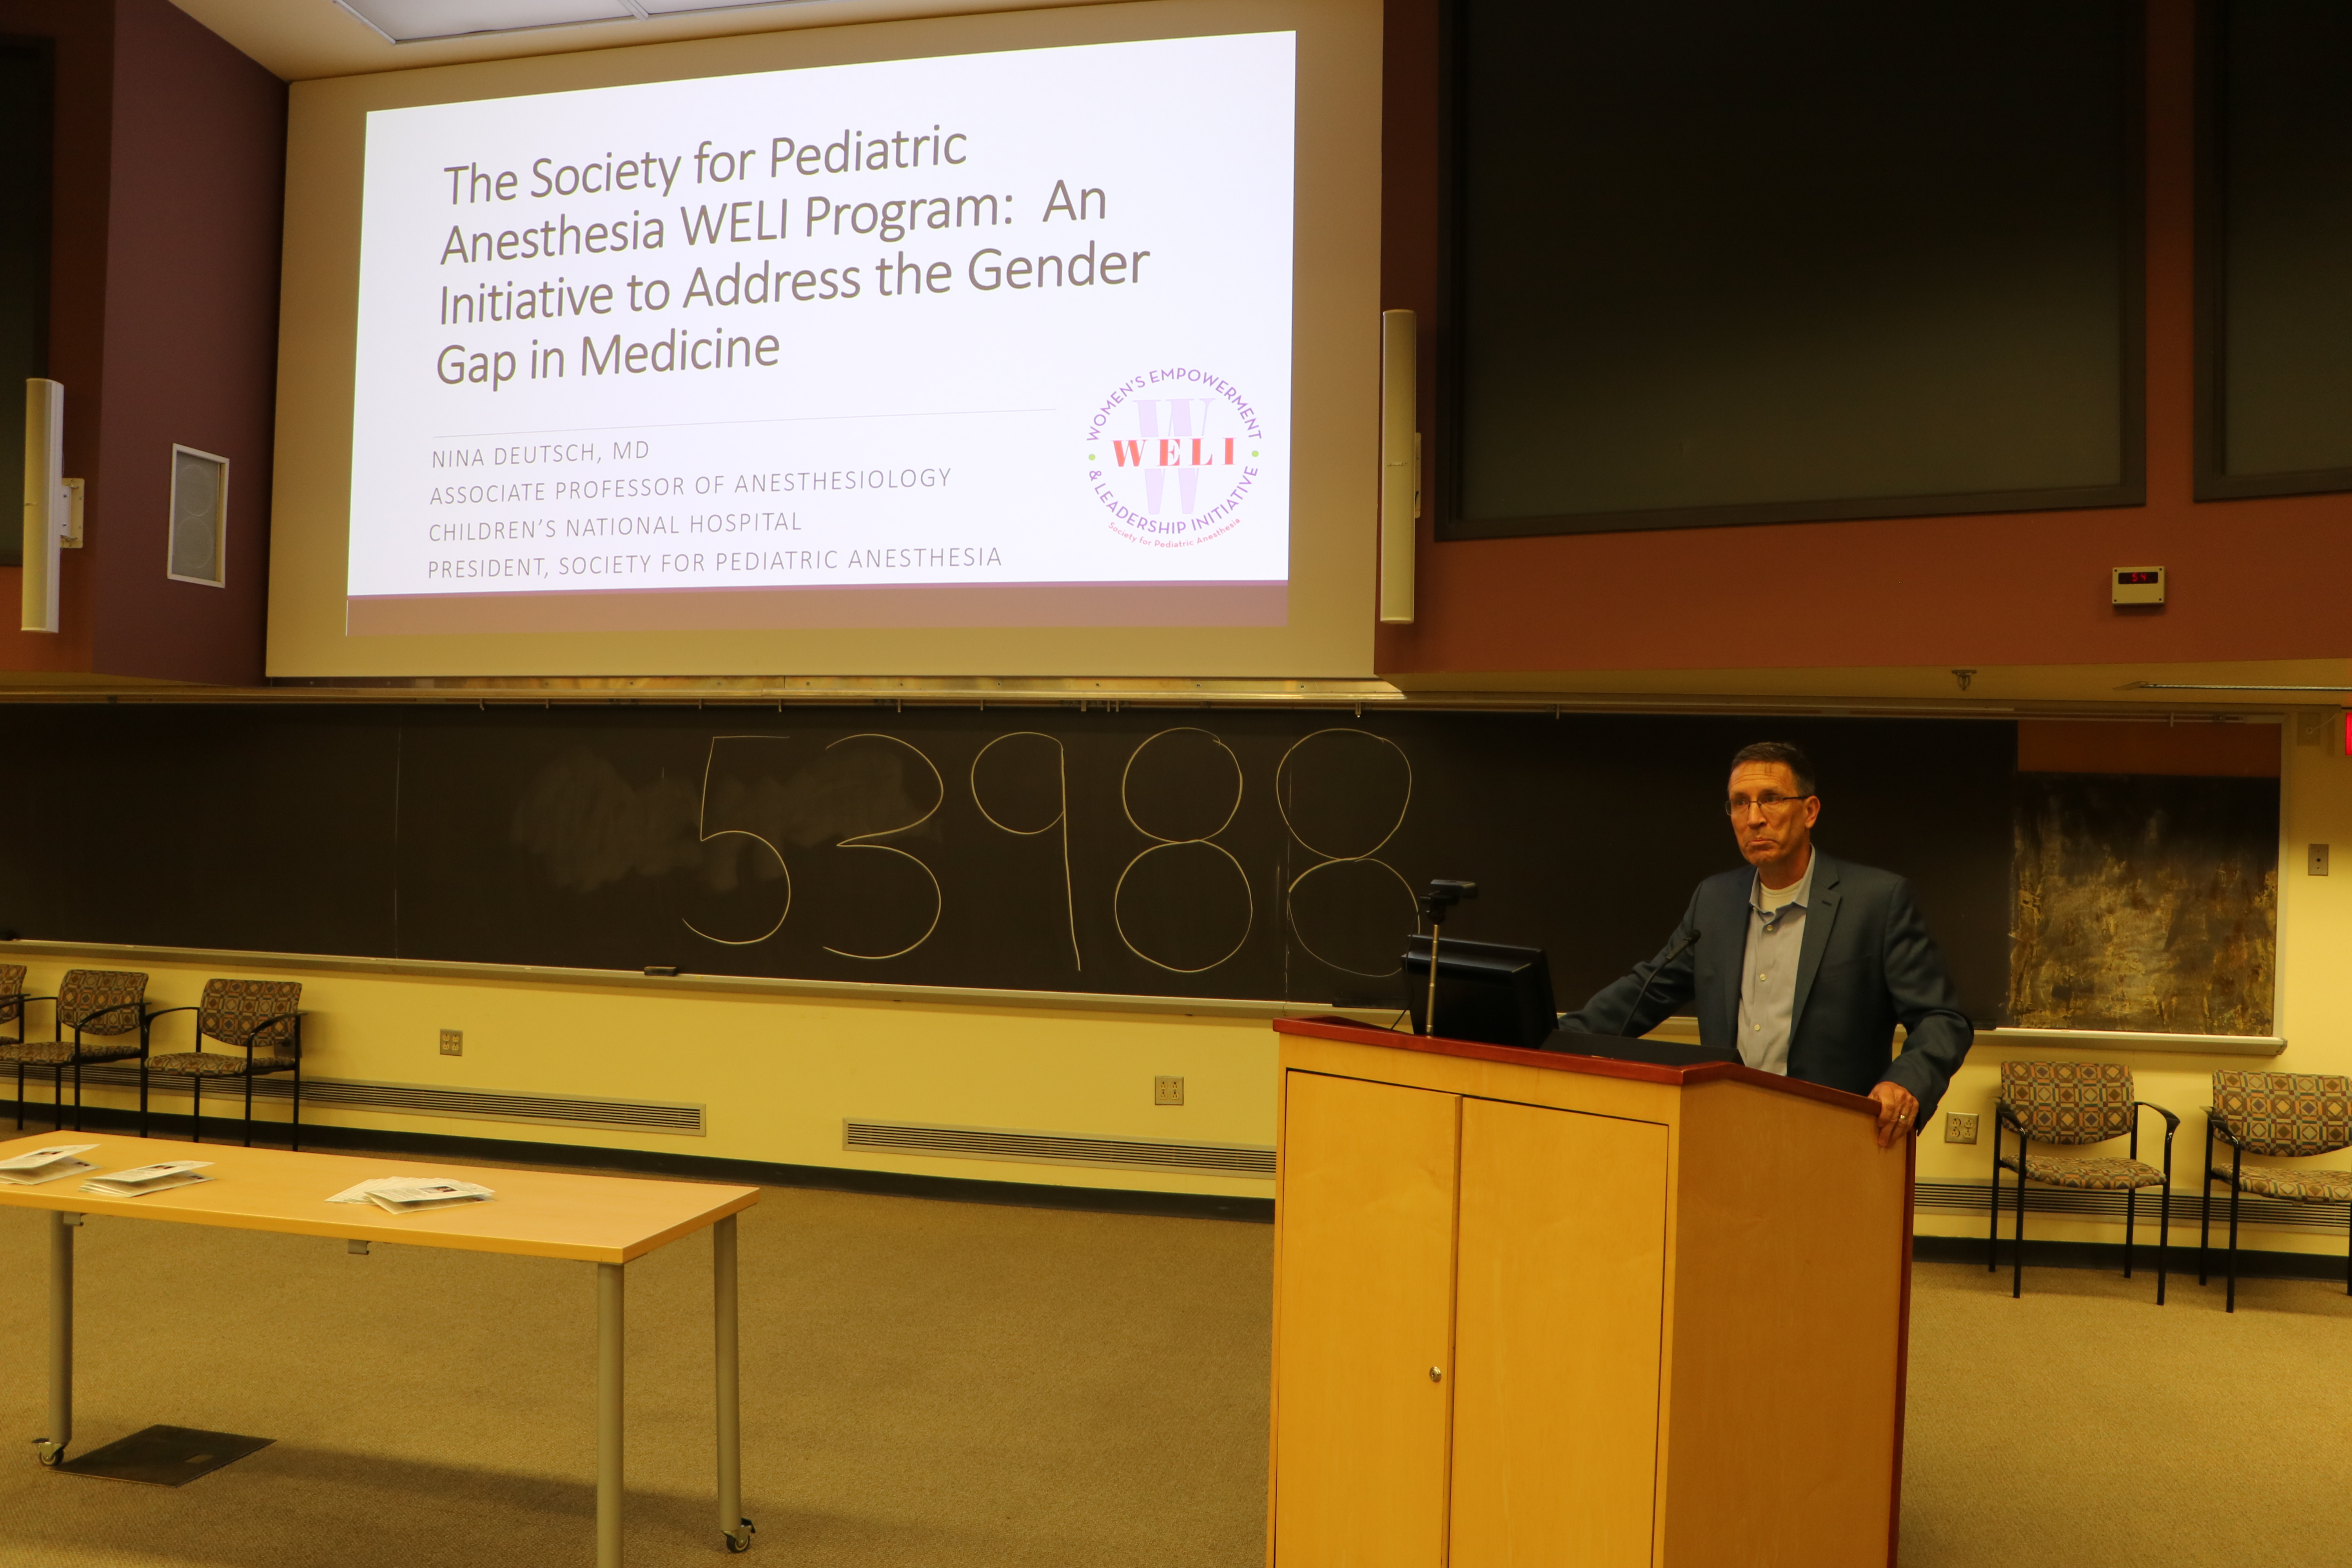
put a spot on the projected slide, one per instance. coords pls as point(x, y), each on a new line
point(991, 340)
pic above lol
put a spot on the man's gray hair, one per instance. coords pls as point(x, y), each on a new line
point(1787, 753)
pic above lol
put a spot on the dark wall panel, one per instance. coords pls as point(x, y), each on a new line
point(26, 79)
point(1728, 262)
point(2277, 246)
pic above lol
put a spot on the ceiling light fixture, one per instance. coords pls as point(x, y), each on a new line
point(418, 21)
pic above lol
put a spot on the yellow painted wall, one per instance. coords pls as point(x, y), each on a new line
point(778, 1074)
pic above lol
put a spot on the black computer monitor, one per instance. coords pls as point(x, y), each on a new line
point(1501, 995)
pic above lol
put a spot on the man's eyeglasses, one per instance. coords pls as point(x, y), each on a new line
point(1768, 803)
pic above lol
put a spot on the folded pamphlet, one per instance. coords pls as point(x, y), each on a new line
point(30, 1169)
point(141, 1180)
point(406, 1194)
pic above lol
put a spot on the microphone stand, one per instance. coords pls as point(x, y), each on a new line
point(1644, 994)
point(1443, 895)
point(1429, 1014)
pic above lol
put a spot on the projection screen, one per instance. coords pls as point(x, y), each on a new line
point(1025, 345)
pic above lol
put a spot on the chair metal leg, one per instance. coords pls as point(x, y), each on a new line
point(143, 1095)
point(1992, 1221)
point(2163, 1241)
point(2231, 1305)
point(195, 1108)
point(57, 1098)
point(294, 1134)
point(248, 1109)
point(2131, 1206)
point(20, 1097)
point(2016, 1257)
point(77, 1067)
point(2205, 1214)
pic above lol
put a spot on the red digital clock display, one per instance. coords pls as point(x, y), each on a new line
point(2125, 577)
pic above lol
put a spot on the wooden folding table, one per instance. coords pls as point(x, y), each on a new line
point(605, 1220)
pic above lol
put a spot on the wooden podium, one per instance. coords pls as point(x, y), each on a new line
point(1535, 1310)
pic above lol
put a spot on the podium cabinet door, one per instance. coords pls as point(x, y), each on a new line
point(1557, 1331)
point(1362, 1288)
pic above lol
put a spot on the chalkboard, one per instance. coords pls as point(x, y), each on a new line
point(1196, 853)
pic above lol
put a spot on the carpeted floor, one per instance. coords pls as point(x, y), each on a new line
point(948, 1385)
point(2084, 1426)
point(924, 1384)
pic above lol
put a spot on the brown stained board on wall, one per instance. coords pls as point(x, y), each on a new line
point(2145, 901)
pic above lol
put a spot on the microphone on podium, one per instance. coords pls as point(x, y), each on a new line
point(1644, 994)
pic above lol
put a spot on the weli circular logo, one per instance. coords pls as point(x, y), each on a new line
point(1172, 457)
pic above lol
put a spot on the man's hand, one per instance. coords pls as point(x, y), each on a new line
point(1898, 1111)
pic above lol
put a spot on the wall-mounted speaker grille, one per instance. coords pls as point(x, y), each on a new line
point(168, 1094)
point(1972, 1197)
point(1056, 1148)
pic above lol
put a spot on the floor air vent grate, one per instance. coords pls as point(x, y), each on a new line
point(1972, 1197)
point(1056, 1148)
point(169, 1095)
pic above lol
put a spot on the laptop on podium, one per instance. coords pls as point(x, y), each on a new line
point(1502, 995)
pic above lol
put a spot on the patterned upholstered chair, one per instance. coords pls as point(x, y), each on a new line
point(2075, 1104)
point(260, 1017)
point(12, 1011)
point(2284, 1115)
point(107, 1011)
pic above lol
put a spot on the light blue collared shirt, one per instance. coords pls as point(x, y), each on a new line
point(1767, 970)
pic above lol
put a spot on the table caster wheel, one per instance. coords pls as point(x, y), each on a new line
point(739, 1538)
point(49, 1454)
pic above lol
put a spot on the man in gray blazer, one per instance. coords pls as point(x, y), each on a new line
point(1806, 963)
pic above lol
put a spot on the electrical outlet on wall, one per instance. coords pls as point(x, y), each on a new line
point(1167, 1090)
point(453, 1042)
point(1960, 1127)
point(2318, 861)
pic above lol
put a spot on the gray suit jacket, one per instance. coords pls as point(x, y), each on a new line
point(1866, 964)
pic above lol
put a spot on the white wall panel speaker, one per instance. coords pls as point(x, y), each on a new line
point(1400, 462)
point(46, 503)
point(197, 547)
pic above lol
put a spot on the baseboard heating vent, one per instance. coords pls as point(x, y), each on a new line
point(1056, 1148)
point(1973, 1197)
point(169, 1095)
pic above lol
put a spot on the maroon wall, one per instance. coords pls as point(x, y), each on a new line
point(84, 39)
point(170, 167)
point(191, 339)
point(2249, 580)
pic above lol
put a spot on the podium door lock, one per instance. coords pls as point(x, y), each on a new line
point(1436, 1374)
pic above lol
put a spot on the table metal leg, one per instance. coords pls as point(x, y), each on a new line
point(733, 1525)
point(52, 1448)
point(608, 1414)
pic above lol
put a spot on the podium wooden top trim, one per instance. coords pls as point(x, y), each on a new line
point(1563, 1061)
